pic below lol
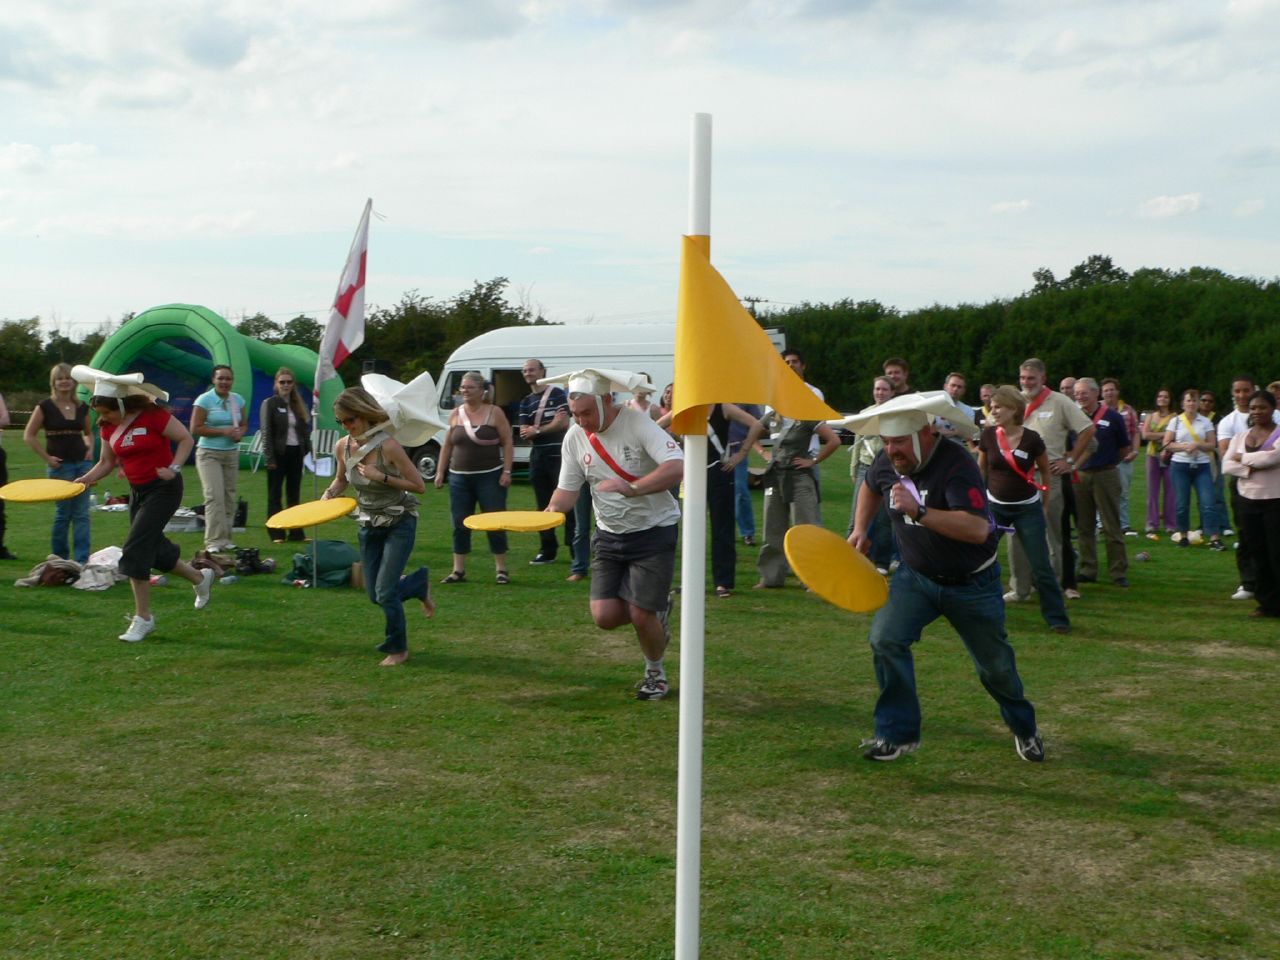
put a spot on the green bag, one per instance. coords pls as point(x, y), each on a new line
point(333, 558)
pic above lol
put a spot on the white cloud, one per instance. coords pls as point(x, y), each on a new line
point(1011, 206)
point(540, 251)
point(21, 158)
point(1163, 207)
point(1249, 208)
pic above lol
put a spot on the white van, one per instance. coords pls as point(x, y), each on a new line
point(500, 355)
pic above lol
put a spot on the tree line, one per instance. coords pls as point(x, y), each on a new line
point(1150, 329)
point(1153, 328)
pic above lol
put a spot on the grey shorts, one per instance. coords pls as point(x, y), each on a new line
point(635, 567)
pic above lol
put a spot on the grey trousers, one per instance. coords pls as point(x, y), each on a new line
point(779, 517)
point(1098, 495)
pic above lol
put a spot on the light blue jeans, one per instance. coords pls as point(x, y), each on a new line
point(1185, 476)
point(71, 514)
point(976, 610)
point(384, 552)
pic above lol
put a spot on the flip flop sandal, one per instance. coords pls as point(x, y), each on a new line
point(456, 576)
point(502, 577)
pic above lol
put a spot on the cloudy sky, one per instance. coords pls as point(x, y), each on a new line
point(908, 151)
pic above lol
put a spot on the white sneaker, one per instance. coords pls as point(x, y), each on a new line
point(139, 627)
point(1242, 594)
point(203, 588)
point(1012, 597)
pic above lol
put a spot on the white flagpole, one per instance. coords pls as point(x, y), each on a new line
point(693, 602)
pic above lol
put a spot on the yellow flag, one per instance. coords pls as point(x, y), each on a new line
point(722, 354)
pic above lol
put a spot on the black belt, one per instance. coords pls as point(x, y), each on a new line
point(1111, 466)
point(960, 580)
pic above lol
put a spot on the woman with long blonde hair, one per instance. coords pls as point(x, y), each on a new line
point(65, 421)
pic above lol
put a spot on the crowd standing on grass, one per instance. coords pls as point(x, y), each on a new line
point(65, 422)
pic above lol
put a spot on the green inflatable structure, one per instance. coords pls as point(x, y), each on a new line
point(177, 346)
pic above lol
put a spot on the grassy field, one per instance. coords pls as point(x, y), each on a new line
point(249, 783)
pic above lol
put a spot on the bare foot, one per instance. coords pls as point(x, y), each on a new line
point(395, 659)
point(428, 607)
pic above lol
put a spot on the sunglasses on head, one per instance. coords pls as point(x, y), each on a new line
point(347, 421)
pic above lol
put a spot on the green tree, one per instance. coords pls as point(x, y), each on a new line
point(303, 331)
point(22, 357)
point(261, 327)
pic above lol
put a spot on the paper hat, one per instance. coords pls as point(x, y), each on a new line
point(599, 382)
point(908, 414)
point(118, 385)
point(411, 407)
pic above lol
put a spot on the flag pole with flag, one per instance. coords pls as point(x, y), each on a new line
point(722, 356)
point(343, 333)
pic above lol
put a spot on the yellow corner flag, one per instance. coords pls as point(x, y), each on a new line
point(722, 354)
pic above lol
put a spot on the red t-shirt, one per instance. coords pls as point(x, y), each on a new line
point(144, 448)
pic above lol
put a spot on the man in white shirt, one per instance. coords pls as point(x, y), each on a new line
point(631, 464)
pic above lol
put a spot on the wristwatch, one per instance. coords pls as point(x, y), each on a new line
point(175, 467)
point(634, 489)
point(920, 514)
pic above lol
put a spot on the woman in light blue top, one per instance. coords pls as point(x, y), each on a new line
point(218, 422)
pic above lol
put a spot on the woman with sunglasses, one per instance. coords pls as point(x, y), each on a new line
point(385, 482)
point(476, 458)
point(286, 441)
point(218, 423)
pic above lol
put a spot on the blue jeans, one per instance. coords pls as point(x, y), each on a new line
point(1032, 530)
point(1185, 476)
point(744, 509)
point(976, 610)
point(884, 550)
point(465, 491)
point(384, 551)
point(71, 514)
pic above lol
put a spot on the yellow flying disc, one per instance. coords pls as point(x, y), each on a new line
point(834, 570)
point(311, 514)
point(517, 521)
point(40, 490)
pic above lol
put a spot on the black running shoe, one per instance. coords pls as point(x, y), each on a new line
point(1030, 748)
point(882, 749)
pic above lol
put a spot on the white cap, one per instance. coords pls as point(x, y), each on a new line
point(599, 383)
point(118, 385)
point(411, 408)
point(908, 414)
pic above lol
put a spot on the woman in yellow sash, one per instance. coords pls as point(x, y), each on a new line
point(1159, 475)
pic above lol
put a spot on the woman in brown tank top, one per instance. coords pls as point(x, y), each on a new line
point(477, 456)
point(65, 421)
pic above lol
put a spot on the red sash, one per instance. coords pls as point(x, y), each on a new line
point(1005, 451)
point(1097, 414)
point(608, 460)
point(1034, 405)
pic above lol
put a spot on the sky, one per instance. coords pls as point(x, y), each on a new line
point(907, 151)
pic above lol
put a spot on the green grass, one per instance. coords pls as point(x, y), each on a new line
point(248, 782)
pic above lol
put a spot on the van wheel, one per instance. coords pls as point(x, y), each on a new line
point(427, 459)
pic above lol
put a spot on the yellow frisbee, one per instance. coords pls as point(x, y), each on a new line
point(517, 521)
point(312, 513)
point(40, 490)
point(834, 570)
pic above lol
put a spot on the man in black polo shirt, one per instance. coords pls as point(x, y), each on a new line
point(544, 417)
point(947, 541)
point(1098, 492)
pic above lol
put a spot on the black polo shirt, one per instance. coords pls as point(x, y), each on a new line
point(949, 480)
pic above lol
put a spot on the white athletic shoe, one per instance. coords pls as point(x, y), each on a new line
point(1012, 597)
point(1242, 594)
point(203, 589)
point(138, 628)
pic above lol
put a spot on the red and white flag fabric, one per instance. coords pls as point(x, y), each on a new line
point(345, 330)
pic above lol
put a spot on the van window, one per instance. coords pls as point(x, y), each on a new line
point(506, 389)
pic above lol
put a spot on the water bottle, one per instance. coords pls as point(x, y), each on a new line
point(93, 500)
point(229, 578)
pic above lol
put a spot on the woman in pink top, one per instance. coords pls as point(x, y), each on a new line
point(1253, 456)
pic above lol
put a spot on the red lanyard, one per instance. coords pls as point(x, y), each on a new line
point(609, 461)
point(1003, 441)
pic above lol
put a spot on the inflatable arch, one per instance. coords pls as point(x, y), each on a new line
point(176, 346)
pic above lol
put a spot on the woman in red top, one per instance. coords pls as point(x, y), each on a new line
point(138, 437)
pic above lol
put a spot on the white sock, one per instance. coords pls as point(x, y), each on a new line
point(652, 665)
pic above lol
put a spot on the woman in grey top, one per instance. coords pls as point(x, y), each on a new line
point(385, 483)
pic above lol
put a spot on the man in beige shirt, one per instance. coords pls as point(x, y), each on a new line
point(1053, 416)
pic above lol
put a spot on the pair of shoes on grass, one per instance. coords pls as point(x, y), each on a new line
point(1029, 748)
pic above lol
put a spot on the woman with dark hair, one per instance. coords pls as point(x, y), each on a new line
point(286, 440)
point(1253, 457)
point(385, 482)
point(150, 446)
point(1159, 475)
point(65, 421)
point(1191, 439)
point(218, 421)
point(476, 457)
point(1009, 456)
